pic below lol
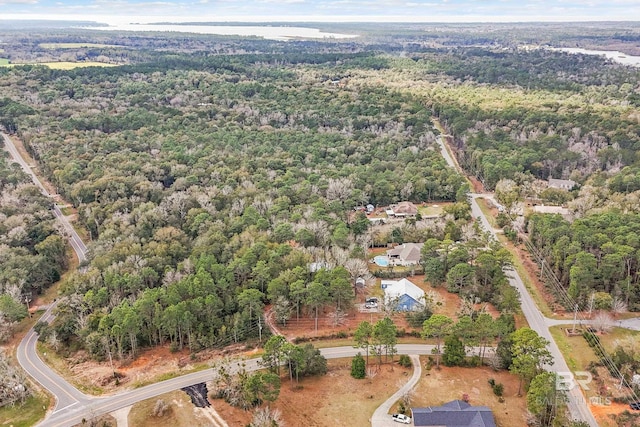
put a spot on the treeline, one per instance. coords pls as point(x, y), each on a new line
point(596, 253)
point(32, 253)
point(531, 68)
point(210, 191)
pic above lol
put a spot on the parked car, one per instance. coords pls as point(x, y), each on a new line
point(635, 406)
point(372, 300)
point(371, 305)
point(401, 418)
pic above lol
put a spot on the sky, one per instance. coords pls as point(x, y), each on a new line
point(144, 11)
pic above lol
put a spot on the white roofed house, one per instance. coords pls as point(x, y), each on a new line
point(403, 294)
point(405, 254)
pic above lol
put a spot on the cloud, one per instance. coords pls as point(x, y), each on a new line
point(334, 10)
point(18, 2)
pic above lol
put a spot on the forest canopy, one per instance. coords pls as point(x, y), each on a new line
point(210, 181)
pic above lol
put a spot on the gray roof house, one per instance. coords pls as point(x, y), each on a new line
point(562, 184)
point(456, 413)
point(405, 254)
point(404, 209)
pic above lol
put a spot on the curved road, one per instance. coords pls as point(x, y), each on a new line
point(381, 417)
point(65, 394)
point(74, 239)
point(577, 403)
point(72, 406)
point(92, 407)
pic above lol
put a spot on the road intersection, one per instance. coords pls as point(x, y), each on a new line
point(72, 406)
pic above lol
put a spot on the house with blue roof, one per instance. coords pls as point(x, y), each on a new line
point(403, 295)
point(456, 413)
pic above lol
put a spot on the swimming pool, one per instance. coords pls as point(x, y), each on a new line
point(381, 260)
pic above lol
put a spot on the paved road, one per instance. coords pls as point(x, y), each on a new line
point(96, 406)
point(74, 239)
point(577, 404)
point(381, 416)
point(65, 394)
point(72, 406)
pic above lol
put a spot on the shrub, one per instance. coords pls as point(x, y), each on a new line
point(358, 367)
point(405, 361)
point(498, 389)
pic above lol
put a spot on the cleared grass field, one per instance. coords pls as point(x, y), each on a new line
point(3, 61)
point(74, 45)
point(25, 415)
point(72, 65)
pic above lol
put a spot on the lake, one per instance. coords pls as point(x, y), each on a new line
point(619, 57)
point(267, 32)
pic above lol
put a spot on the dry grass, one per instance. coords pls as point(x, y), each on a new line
point(447, 384)
point(608, 340)
point(180, 412)
point(335, 399)
point(433, 209)
point(316, 401)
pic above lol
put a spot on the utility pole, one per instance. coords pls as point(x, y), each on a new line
point(575, 319)
point(260, 327)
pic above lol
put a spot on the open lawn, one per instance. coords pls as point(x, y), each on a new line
point(441, 386)
point(4, 61)
point(74, 45)
point(432, 209)
point(575, 350)
point(609, 340)
point(26, 415)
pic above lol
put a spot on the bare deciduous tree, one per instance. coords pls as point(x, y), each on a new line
point(618, 306)
point(339, 189)
point(267, 417)
point(602, 321)
point(337, 318)
point(13, 387)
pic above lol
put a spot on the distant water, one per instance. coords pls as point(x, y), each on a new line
point(267, 32)
point(619, 57)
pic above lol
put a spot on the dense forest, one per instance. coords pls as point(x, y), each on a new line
point(209, 181)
